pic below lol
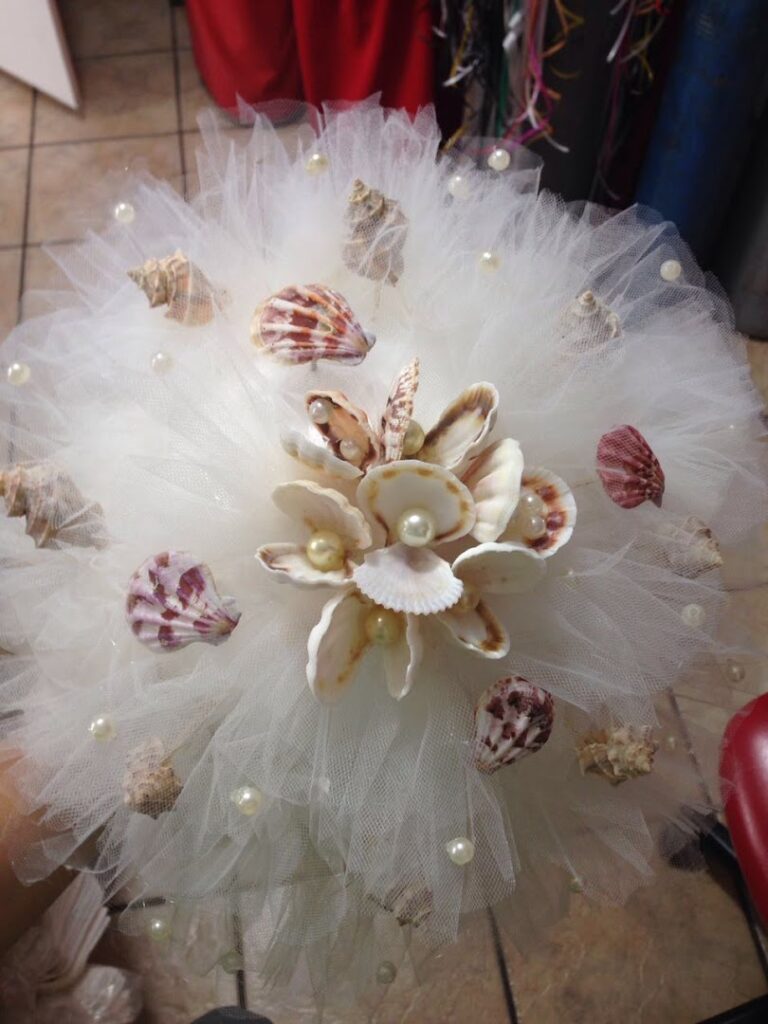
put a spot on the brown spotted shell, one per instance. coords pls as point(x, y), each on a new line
point(399, 410)
point(150, 785)
point(346, 428)
point(617, 754)
point(628, 468)
point(513, 718)
point(377, 229)
point(305, 323)
point(180, 285)
point(57, 514)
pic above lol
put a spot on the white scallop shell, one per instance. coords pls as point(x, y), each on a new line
point(493, 479)
point(462, 427)
point(560, 515)
point(406, 579)
point(399, 410)
point(289, 564)
point(317, 456)
point(321, 508)
point(346, 422)
point(476, 629)
point(506, 568)
point(337, 645)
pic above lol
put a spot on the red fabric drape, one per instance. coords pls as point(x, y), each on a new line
point(314, 50)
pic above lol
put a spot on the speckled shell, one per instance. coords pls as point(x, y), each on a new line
point(410, 904)
point(57, 514)
point(150, 785)
point(628, 468)
point(173, 601)
point(399, 410)
point(513, 718)
point(618, 754)
point(689, 547)
point(589, 324)
point(177, 283)
point(346, 422)
point(560, 514)
point(377, 231)
point(305, 323)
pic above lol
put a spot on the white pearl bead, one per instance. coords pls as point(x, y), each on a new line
point(18, 374)
point(320, 411)
point(102, 728)
point(124, 213)
point(413, 441)
point(350, 450)
point(383, 627)
point(670, 270)
point(386, 972)
point(489, 261)
point(461, 850)
point(499, 159)
point(575, 885)
point(232, 962)
point(693, 615)
point(671, 743)
point(248, 800)
point(325, 550)
point(416, 527)
point(458, 186)
point(161, 362)
point(533, 526)
point(531, 503)
point(736, 671)
point(159, 929)
point(317, 163)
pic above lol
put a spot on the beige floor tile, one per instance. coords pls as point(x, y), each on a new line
point(680, 951)
point(42, 274)
point(58, 213)
point(194, 95)
point(181, 22)
point(13, 190)
point(15, 111)
point(121, 96)
point(96, 27)
point(10, 273)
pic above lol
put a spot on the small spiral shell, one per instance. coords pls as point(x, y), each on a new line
point(377, 232)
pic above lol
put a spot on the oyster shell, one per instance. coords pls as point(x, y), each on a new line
point(178, 283)
point(628, 468)
point(150, 785)
point(558, 512)
point(377, 232)
point(56, 512)
point(462, 427)
point(689, 547)
point(172, 601)
point(618, 754)
point(399, 410)
point(406, 579)
point(317, 456)
point(513, 718)
point(305, 323)
point(493, 479)
point(346, 429)
point(410, 904)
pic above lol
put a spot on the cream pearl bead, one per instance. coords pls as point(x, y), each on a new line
point(232, 962)
point(124, 213)
point(413, 441)
point(416, 527)
point(531, 503)
point(159, 929)
point(383, 627)
point(533, 526)
point(670, 270)
point(386, 972)
point(102, 728)
point(18, 374)
point(575, 885)
point(458, 186)
point(461, 850)
point(499, 159)
point(320, 411)
point(161, 362)
point(350, 450)
point(248, 800)
point(489, 261)
point(693, 615)
point(317, 163)
point(325, 550)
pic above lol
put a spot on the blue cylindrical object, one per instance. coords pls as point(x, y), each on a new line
point(708, 114)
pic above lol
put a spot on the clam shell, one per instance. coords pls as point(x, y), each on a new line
point(56, 512)
point(321, 508)
point(150, 785)
point(337, 645)
point(304, 323)
point(689, 547)
point(493, 479)
point(628, 468)
point(346, 423)
point(513, 718)
point(399, 410)
point(172, 601)
point(559, 515)
point(462, 427)
point(388, 491)
point(402, 659)
point(317, 456)
point(178, 283)
point(618, 754)
point(377, 232)
point(289, 564)
point(406, 579)
point(476, 629)
point(507, 568)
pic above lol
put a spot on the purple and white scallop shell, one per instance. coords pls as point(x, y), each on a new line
point(513, 718)
point(173, 601)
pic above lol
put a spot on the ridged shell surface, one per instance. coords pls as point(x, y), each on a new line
point(513, 718)
point(628, 468)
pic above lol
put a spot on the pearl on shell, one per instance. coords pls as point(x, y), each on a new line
point(693, 615)
point(248, 800)
point(325, 550)
point(161, 362)
point(159, 929)
point(350, 450)
point(531, 503)
point(124, 213)
point(416, 527)
point(670, 270)
point(102, 728)
point(533, 526)
point(458, 186)
point(386, 972)
point(320, 411)
point(18, 374)
point(461, 850)
point(317, 163)
point(499, 159)
point(489, 261)
point(383, 627)
point(413, 441)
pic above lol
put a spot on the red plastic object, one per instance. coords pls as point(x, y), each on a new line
point(744, 772)
point(315, 50)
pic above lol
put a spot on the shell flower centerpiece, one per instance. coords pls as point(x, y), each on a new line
point(383, 552)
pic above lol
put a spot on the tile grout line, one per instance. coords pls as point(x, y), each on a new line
point(501, 963)
point(105, 138)
point(27, 204)
point(177, 95)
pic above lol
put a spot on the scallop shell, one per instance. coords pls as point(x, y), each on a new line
point(176, 282)
point(57, 514)
point(493, 479)
point(317, 456)
point(689, 547)
point(492, 568)
point(289, 564)
point(172, 601)
point(399, 410)
point(150, 785)
point(346, 423)
point(560, 514)
point(304, 323)
point(588, 323)
point(628, 468)
point(410, 904)
point(406, 579)
point(336, 646)
point(513, 718)
point(377, 232)
point(618, 754)
point(462, 427)
point(321, 508)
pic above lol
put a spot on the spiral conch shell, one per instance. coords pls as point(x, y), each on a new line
point(618, 754)
point(177, 283)
point(377, 231)
point(589, 324)
point(513, 718)
point(150, 785)
point(689, 547)
point(57, 514)
point(305, 323)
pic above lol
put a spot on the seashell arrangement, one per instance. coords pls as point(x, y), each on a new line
point(150, 785)
point(173, 601)
point(513, 718)
point(56, 512)
point(180, 285)
point(628, 468)
point(306, 323)
point(410, 904)
point(377, 232)
point(689, 548)
point(618, 754)
point(345, 428)
point(546, 514)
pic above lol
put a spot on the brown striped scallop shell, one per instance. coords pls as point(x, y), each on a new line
point(628, 468)
point(377, 231)
point(513, 718)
